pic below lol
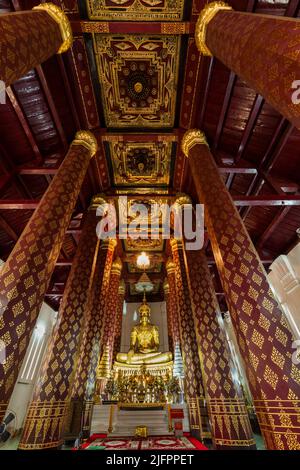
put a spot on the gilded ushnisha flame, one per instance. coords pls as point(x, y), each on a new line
point(206, 15)
point(192, 137)
point(63, 22)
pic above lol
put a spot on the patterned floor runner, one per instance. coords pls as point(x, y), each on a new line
point(100, 441)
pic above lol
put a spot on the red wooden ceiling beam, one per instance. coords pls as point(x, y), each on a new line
point(277, 143)
point(268, 200)
point(224, 110)
point(130, 27)
point(119, 137)
point(292, 8)
point(254, 113)
point(253, 200)
point(37, 170)
point(64, 262)
point(281, 214)
point(206, 89)
point(23, 204)
point(52, 107)
point(23, 121)
point(8, 229)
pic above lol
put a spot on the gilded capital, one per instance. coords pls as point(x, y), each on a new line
point(166, 287)
point(206, 15)
point(59, 16)
point(122, 288)
point(87, 140)
point(192, 137)
point(116, 267)
point(176, 244)
point(109, 244)
point(170, 266)
point(182, 199)
point(96, 201)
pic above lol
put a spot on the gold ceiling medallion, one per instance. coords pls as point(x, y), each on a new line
point(87, 140)
point(192, 137)
point(206, 15)
point(141, 163)
point(135, 10)
point(138, 87)
point(138, 78)
point(62, 20)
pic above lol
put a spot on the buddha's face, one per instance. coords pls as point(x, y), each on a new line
point(144, 320)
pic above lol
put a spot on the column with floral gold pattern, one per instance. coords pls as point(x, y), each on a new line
point(28, 38)
point(261, 49)
point(228, 414)
point(194, 391)
point(26, 274)
point(263, 335)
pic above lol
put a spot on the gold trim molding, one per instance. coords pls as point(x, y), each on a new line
point(96, 201)
point(192, 137)
point(87, 140)
point(117, 266)
point(166, 286)
point(63, 22)
point(170, 266)
point(206, 15)
point(122, 288)
point(108, 244)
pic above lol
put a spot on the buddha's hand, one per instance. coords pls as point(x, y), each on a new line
point(129, 356)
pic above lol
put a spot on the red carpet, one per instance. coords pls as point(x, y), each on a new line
point(185, 442)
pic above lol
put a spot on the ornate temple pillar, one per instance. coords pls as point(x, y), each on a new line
point(227, 410)
point(172, 303)
point(169, 315)
point(110, 320)
point(28, 38)
point(52, 394)
point(89, 352)
point(264, 337)
point(261, 49)
point(194, 392)
point(26, 274)
point(119, 318)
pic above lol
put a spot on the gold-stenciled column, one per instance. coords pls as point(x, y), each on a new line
point(261, 49)
point(227, 410)
point(26, 274)
point(110, 321)
point(172, 299)
point(54, 385)
point(28, 38)
point(264, 337)
point(89, 353)
point(119, 317)
point(169, 316)
point(194, 391)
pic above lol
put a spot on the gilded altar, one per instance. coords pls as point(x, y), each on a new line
point(143, 384)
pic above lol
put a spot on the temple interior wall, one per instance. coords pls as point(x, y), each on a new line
point(284, 278)
point(31, 365)
point(131, 318)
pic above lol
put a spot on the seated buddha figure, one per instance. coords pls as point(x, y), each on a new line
point(144, 342)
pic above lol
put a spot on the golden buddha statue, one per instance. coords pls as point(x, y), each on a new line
point(144, 342)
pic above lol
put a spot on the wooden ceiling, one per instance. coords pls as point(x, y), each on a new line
point(257, 151)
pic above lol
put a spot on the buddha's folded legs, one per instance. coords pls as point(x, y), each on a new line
point(149, 358)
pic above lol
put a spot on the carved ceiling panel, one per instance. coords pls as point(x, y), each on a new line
point(138, 79)
point(141, 163)
point(138, 10)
